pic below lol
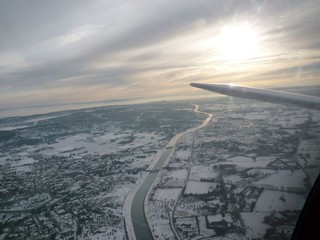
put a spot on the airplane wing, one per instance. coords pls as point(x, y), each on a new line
point(307, 225)
point(273, 96)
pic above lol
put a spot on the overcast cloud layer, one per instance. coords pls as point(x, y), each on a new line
point(55, 52)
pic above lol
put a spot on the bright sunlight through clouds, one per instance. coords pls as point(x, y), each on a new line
point(59, 52)
point(237, 42)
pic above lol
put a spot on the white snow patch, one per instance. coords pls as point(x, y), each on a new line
point(121, 191)
point(240, 159)
point(23, 161)
point(218, 217)
point(12, 128)
point(285, 179)
point(178, 174)
point(38, 119)
point(247, 162)
point(271, 200)
point(195, 187)
point(254, 224)
point(202, 172)
point(166, 194)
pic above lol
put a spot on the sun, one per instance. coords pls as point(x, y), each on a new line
point(237, 42)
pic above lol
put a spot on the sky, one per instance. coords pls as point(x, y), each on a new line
point(60, 52)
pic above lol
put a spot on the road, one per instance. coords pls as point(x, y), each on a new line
point(139, 222)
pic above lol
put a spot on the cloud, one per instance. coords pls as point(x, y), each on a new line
point(75, 35)
point(146, 47)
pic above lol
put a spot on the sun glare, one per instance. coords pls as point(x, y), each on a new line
point(237, 42)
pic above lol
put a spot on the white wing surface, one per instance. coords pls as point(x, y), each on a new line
point(262, 94)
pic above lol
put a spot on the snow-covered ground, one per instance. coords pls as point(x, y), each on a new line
point(254, 225)
point(195, 187)
point(12, 128)
point(311, 151)
point(247, 162)
point(167, 194)
point(38, 119)
point(109, 142)
point(270, 201)
point(177, 174)
point(33, 120)
point(199, 172)
point(162, 230)
point(284, 179)
point(22, 161)
point(257, 116)
point(30, 203)
point(120, 191)
point(232, 179)
point(183, 154)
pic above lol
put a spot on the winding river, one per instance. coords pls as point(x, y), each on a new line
point(139, 221)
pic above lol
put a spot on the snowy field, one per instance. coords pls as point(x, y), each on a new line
point(219, 217)
point(12, 128)
point(310, 149)
point(177, 174)
point(269, 201)
point(202, 172)
point(163, 230)
point(174, 183)
point(33, 120)
point(166, 194)
point(260, 171)
point(38, 119)
point(254, 225)
point(194, 187)
point(285, 179)
point(232, 179)
point(258, 115)
point(109, 142)
point(22, 161)
point(247, 162)
point(183, 154)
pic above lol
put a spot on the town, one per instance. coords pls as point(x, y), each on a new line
point(246, 175)
point(66, 175)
